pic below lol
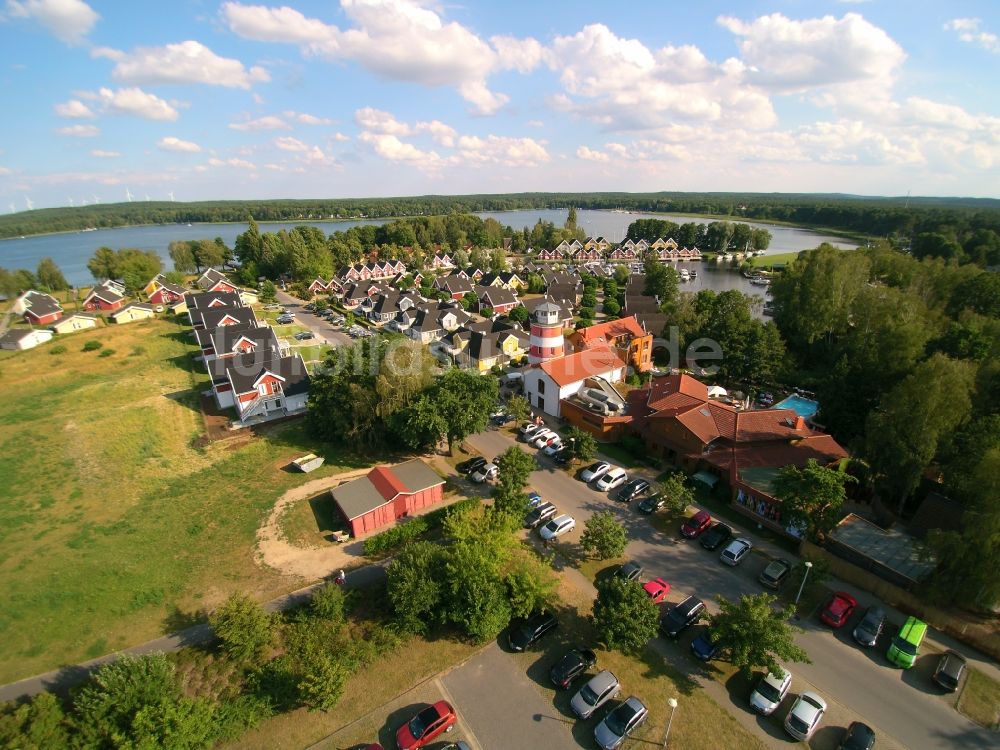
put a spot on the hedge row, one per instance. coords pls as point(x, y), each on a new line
point(405, 532)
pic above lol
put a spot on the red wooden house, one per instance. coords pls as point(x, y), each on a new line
point(387, 494)
point(104, 297)
point(167, 294)
point(40, 309)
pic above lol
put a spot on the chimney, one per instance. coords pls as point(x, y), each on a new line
point(800, 423)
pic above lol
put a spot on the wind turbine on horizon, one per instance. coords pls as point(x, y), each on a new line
point(13, 208)
point(128, 194)
point(71, 203)
point(171, 194)
point(29, 203)
point(96, 199)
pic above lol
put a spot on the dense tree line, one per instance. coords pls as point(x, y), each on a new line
point(718, 236)
point(47, 278)
point(961, 219)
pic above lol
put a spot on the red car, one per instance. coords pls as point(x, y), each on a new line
point(839, 609)
point(657, 590)
point(696, 524)
point(426, 726)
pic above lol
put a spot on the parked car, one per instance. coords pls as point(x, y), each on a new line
point(472, 464)
point(706, 648)
point(681, 616)
point(632, 489)
point(696, 525)
point(571, 666)
point(601, 688)
point(304, 335)
point(563, 456)
point(858, 737)
point(595, 471)
point(542, 514)
point(770, 691)
point(426, 726)
point(629, 571)
point(557, 527)
point(651, 504)
point(949, 671)
point(905, 646)
point(310, 307)
point(485, 473)
point(614, 477)
point(806, 714)
point(624, 719)
point(735, 551)
point(534, 499)
point(527, 428)
point(870, 628)
point(284, 320)
point(501, 419)
point(839, 609)
point(715, 536)
point(554, 447)
point(657, 589)
point(543, 438)
point(524, 633)
point(775, 574)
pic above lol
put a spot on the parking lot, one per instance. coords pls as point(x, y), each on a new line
point(858, 683)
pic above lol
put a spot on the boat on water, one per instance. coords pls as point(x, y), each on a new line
point(760, 280)
point(685, 275)
point(694, 274)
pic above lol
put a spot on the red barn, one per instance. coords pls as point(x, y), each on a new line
point(104, 297)
point(387, 494)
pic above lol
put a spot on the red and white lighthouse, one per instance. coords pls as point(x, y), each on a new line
point(546, 334)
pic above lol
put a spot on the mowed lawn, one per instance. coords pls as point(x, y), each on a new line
point(114, 526)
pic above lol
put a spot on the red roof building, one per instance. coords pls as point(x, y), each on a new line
point(387, 494)
point(626, 336)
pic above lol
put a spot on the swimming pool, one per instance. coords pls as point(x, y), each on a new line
point(804, 407)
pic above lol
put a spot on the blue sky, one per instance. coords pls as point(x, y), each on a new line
point(205, 100)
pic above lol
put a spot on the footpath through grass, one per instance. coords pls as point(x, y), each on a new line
point(114, 528)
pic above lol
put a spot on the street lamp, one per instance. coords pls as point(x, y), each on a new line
point(672, 702)
point(803, 584)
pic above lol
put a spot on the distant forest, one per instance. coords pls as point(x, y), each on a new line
point(865, 215)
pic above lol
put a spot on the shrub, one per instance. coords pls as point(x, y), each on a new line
point(137, 351)
point(92, 346)
point(57, 349)
point(243, 626)
point(106, 353)
point(399, 535)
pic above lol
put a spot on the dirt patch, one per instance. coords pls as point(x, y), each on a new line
point(309, 564)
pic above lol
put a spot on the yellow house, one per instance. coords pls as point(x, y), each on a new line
point(74, 322)
point(154, 283)
point(483, 350)
point(131, 313)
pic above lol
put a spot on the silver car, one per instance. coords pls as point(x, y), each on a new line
point(735, 551)
point(770, 691)
point(806, 714)
point(620, 723)
point(602, 687)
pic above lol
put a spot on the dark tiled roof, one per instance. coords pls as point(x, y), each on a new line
point(212, 317)
point(245, 370)
point(105, 292)
point(210, 278)
point(40, 304)
point(204, 300)
point(224, 338)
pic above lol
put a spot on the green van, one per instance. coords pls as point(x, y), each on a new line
point(905, 646)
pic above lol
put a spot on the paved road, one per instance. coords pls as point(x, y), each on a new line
point(59, 680)
point(503, 708)
point(900, 703)
point(325, 333)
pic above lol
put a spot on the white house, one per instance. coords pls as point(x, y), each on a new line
point(24, 338)
point(546, 384)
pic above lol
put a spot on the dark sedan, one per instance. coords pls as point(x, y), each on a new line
point(524, 633)
point(472, 464)
point(716, 535)
point(858, 737)
point(571, 666)
point(870, 628)
point(651, 504)
point(705, 648)
point(681, 616)
point(630, 571)
point(632, 489)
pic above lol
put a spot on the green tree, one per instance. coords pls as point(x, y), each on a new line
point(322, 683)
point(611, 307)
point(661, 282)
point(518, 407)
point(571, 219)
point(518, 314)
point(812, 497)
point(603, 537)
point(8, 283)
point(625, 618)
point(756, 634)
point(531, 584)
point(582, 442)
point(514, 468)
point(536, 284)
point(175, 277)
point(243, 626)
point(268, 292)
point(477, 599)
point(676, 492)
point(183, 256)
point(136, 267)
point(465, 400)
point(50, 277)
point(104, 264)
point(329, 604)
point(470, 301)
point(415, 585)
point(903, 435)
point(39, 724)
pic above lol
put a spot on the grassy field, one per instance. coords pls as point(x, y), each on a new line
point(114, 526)
point(980, 699)
point(779, 259)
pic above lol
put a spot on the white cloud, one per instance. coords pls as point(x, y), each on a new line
point(237, 163)
point(402, 40)
point(379, 121)
point(171, 143)
point(441, 133)
point(80, 131)
point(184, 62)
point(109, 53)
point(290, 144)
point(69, 20)
point(536, 124)
point(304, 118)
point(340, 137)
point(268, 122)
point(389, 147)
point(622, 84)
point(135, 101)
point(968, 30)
point(74, 109)
point(100, 153)
point(847, 62)
point(590, 155)
point(496, 149)
point(5, 171)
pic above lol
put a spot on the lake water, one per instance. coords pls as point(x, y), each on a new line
point(71, 251)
